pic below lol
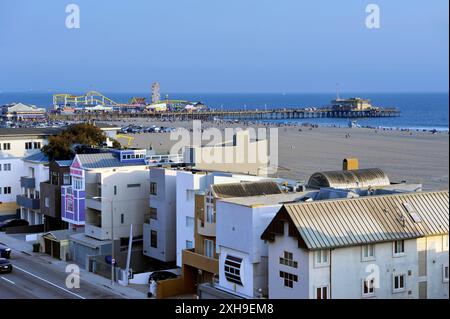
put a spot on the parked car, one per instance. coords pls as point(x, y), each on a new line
point(13, 223)
point(161, 275)
point(5, 265)
point(5, 252)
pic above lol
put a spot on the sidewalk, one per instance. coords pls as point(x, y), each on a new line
point(21, 246)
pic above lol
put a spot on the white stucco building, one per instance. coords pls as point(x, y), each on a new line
point(240, 223)
point(35, 171)
point(15, 145)
point(387, 246)
point(159, 233)
point(189, 183)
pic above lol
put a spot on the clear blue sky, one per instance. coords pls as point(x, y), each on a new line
point(224, 46)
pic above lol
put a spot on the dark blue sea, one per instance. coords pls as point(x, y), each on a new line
point(418, 110)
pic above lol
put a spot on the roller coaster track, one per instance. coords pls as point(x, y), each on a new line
point(88, 99)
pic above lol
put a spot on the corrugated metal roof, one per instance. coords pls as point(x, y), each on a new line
point(37, 158)
point(102, 160)
point(349, 222)
point(245, 189)
point(64, 163)
point(360, 178)
point(27, 131)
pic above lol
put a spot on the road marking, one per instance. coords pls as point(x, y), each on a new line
point(50, 283)
point(10, 281)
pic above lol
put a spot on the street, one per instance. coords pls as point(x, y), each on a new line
point(35, 278)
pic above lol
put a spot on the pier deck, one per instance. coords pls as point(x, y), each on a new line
point(293, 113)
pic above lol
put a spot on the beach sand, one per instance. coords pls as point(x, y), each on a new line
point(412, 156)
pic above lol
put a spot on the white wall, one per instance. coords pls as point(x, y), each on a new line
point(10, 178)
point(165, 203)
point(132, 202)
point(186, 184)
point(18, 145)
point(238, 232)
point(348, 270)
point(300, 289)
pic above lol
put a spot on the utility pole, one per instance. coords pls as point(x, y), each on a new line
point(113, 261)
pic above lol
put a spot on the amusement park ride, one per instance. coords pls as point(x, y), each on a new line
point(94, 101)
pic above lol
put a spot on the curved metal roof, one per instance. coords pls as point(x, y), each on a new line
point(359, 178)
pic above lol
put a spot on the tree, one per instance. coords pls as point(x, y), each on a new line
point(64, 145)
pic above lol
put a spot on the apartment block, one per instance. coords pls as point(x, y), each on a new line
point(385, 246)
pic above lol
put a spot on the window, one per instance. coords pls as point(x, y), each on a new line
point(28, 145)
point(7, 190)
point(190, 221)
point(47, 202)
point(399, 248)
point(209, 205)
point(153, 239)
point(69, 203)
point(37, 145)
point(322, 292)
point(444, 273)
point(289, 279)
point(233, 269)
point(189, 244)
point(66, 179)
point(153, 213)
point(368, 252)
point(78, 184)
point(288, 260)
point(115, 189)
point(122, 218)
point(133, 185)
point(399, 283)
point(153, 188)
point(368, 288)
point(209, 248)
point(7, 167)
point(6, 146)
point(445, 242)
point(321, 258)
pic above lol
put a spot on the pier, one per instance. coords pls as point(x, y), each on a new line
point(255, 115)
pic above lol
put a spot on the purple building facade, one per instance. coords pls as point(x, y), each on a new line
point(73, 197)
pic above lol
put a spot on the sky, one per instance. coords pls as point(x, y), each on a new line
point(224, 46)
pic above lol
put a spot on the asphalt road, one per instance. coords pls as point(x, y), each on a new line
point(36, 278)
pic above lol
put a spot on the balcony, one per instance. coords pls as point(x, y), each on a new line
point(94, 204)
point(205, 228)
point(191, 258)
point(96, 232)
point(27, 182)
point(30, 203)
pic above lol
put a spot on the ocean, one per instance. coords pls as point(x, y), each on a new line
point(418, 110)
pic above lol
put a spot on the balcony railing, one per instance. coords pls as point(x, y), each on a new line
point(26, 202)
point(96, 232)
point(193, 259)
point(27, 182)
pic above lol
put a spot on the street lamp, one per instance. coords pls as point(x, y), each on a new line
point(112, 236)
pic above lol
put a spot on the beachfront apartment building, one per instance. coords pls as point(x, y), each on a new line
point(159, 230)
point(35, 171)
point(15, 145)
point(384, 246)
point(190, 183)
point(108, 193)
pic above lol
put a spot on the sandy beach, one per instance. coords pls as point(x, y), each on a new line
point(412, 156)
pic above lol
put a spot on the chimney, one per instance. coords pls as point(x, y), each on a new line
point(350, 164)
